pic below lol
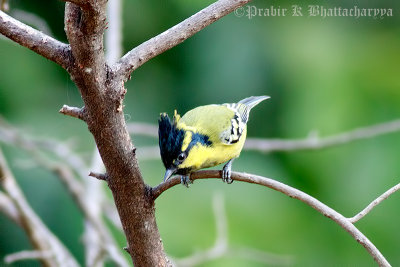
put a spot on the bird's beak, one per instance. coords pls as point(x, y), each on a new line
point(168, 173)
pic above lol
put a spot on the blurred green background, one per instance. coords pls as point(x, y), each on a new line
point(327, 74)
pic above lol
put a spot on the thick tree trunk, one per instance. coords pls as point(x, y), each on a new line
point(103, 95)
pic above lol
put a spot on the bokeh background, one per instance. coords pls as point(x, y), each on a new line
point(327, 75)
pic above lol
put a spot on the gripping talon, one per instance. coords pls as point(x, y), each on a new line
point(226, 172)
point(186, 181)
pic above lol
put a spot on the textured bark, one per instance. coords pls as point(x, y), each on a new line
point(102, 90)
point(103, 96)
point(35, 40)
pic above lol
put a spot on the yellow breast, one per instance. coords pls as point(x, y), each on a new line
point(208, 156)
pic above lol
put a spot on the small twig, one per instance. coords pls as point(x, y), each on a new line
point(221, 221)
point(112, 215)
point(291, 192)
point(40, 236)
point(8, 208)
point(28, 255)
point(221, 247)
point(32, 19)
point(4, 6)
point(374, 203)
point(113, 34)
point(142, 128)
point(100, 176)
point(35, 40)
point(75, 187)
point(175, 35)
point(272, 145)
point(314, 142)
point(73, 112)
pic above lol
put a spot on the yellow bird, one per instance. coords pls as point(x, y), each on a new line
point(204, 137)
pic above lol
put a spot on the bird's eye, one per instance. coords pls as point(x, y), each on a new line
point(182, 157)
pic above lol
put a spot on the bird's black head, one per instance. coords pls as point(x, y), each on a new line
point(170, 141)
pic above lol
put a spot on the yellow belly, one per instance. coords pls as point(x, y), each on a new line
point(208, 156)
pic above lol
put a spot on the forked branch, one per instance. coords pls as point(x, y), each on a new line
point(40, 236)
point(293, 193)
point(174, 36)
point(266, 145)
point(35, 40)
point(222, 248)
point(374, 203)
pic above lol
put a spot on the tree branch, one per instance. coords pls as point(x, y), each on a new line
point(273, 145)
point(28, 255)
point(73, 112)
point(8, 208)
point(174, 36)
point(373, 204)
point(35, 40)
point(82, 195)
point(30, 18)
point(291, 192)
point(113, 40)
point(39, 235)
point(221, 247)
point(315, 142)
point(102, 93)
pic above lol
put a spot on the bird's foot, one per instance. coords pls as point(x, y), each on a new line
point(186, 181)
point(226, 172)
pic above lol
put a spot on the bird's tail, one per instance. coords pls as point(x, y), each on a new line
point(244, 106)
point(252, 101)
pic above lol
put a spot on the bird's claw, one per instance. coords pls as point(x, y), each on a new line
point(186, 181)
point(226, 174)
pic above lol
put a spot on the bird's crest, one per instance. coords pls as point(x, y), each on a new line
point(170, 138)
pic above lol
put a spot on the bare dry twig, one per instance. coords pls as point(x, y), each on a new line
point(221, 246)
point(374, 203)
point(35, 40)
point(28, 255)
point(273, 145)
point(174, 36)
point(82, 192)
point(73, 112)
point(39, 235)
point(293, 193)
point(8, 208)
point(315, 142)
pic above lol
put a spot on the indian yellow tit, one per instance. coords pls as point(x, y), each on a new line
point(204, 137)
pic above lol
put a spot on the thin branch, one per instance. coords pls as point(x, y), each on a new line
point(221, 247)
point(293, 193)
point(32, 19)
point(142, 128)
point(113, 38)
point(315, 142)
point(10, 135)
point(8, 208)
point(99, 176)
point(174, 36)
point(95, 249)
point(75, 187)
point(273, 145)
point(73, 112)
point(4, 5)
point(28, 255)
point(112, 215)
point(40, 236)
point(35, 40)
point(374, 203)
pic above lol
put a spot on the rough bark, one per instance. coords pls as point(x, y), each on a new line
point(103, 96)
point(102, 90)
